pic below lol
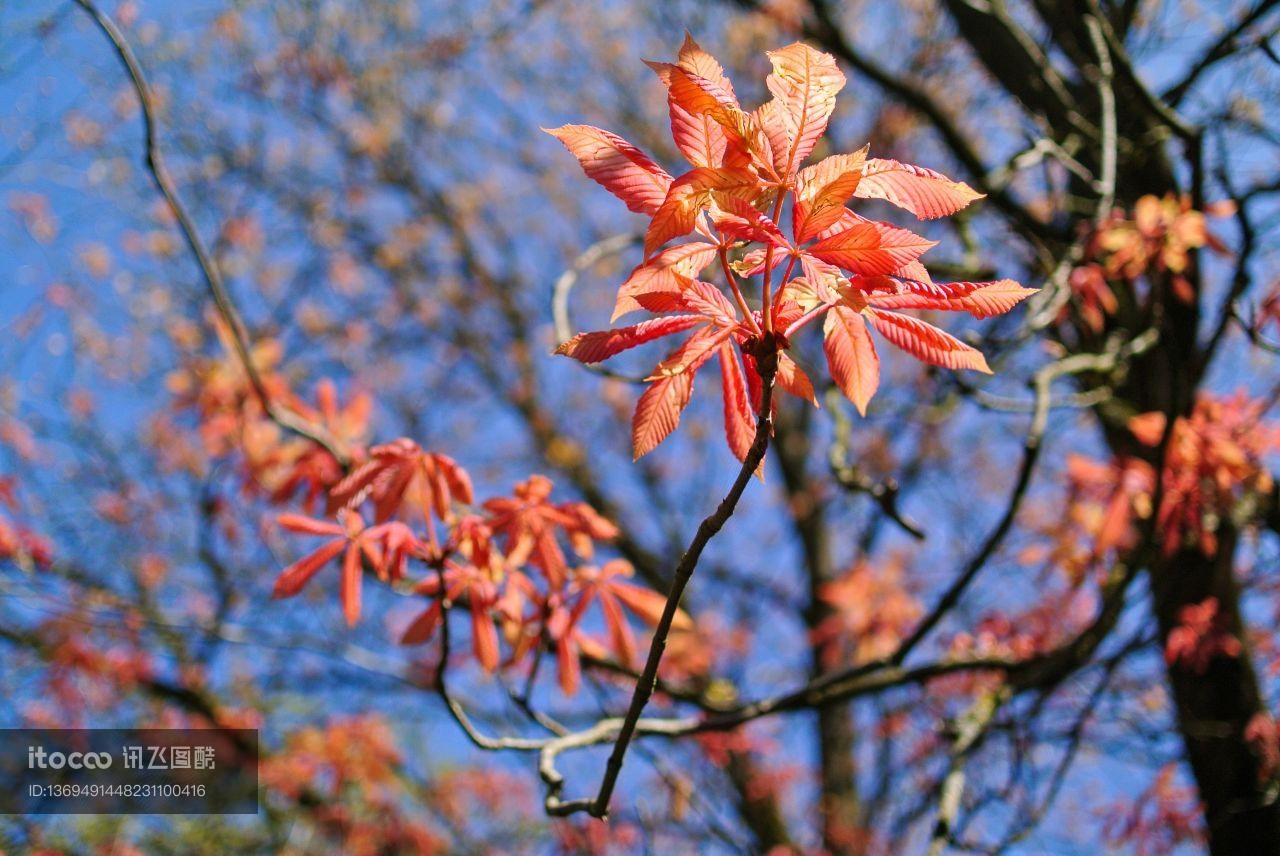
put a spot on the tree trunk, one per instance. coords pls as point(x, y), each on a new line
point(1215, 706)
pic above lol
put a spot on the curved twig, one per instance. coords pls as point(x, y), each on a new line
point(851, 477)
point(222, 301)
point(1043, 383)
point(564, 286)
point(1106, 184)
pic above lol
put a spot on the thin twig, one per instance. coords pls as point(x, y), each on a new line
point(222, 301)
point(970, 731)
point(1118, 56)
point(1106, 184)
point(455, 708)
point(564, 287)
point(851, 477)
point(1043, 383)
point(1227, 45)
point(599, 807)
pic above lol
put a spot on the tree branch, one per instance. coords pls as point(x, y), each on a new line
point(1226, 46)
point(155, 165)
point(767, 357)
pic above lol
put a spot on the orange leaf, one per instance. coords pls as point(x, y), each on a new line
point(793, 379)
point(615, 164)
point(739, 420)
point(423, 627)
point(351, 574)
point(570, 668)
point(293, 578)
point(484, 636)
point(1148, 427)
point(926, 342)
point(699, 137)
point(670, 271)
point(980, 299)
point(658, 412)
point(805, 82)
point(923, 192)
point(308, 525)
point(700, 297)
point(869, 248)
point(623, 641)
point(692, 354)
point(693, 59)
point(738, 219)
point(851, 354)
point(823, 189)
point(689, 195)
point(745, 141)
point(768, 118)
point(649, 605)
point(594, 347)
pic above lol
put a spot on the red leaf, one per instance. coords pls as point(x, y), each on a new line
point(914, 270)
point(457, 479)
point(700, 297)
point(624, 643)
point(745, 142)
point(739, 419)
point(352, 571)
point(737, 218)
point(647, 604)
point(689, 195)
point(822, 190)
point(670, 271)
point(293, 578)
point(692, 354)
point(309, 526)
point(752, 261)
point(484, 636)
point(618, 166)
point(699, 137)
point(869, 248)
point(768, 118)
point(926, 342)
point(658, 412)
point(693, 59)
point(570, 668)
point(1148, 427)
point(822, 283)
point(805, 82)
point(793, 379)
point(851, 354)
point(980, 299)
point(401, 473)
point(923, 192)
point(594, 347)
point(423, 627)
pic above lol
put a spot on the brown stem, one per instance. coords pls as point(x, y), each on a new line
point(767, 359)
point(222, 301)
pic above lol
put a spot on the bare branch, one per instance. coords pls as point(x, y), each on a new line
point(973, 726)
point(1226, 46)
point(222, 301)
point(1106, 184)
point(851, 477)
point(767, 359)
